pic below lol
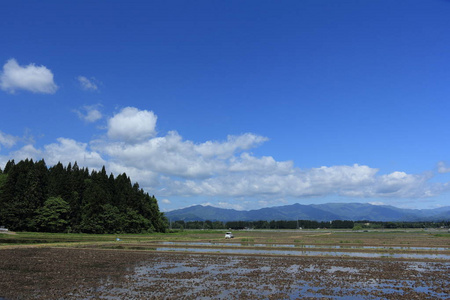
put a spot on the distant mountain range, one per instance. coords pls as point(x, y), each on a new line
point(313, 212)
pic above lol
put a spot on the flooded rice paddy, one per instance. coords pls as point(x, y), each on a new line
point(304, 253)
point(370, 267)
point(245, 277)
point(271, 249)
point(307, 246)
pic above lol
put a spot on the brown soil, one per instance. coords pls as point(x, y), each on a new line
point(62, 273)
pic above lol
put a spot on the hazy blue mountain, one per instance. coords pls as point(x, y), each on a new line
point(360, 211)
point(291, 212)
point(203, 213)
point(316, 212)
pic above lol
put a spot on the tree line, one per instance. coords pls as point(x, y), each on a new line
point(280, 224)
point(303, 224)
point(68, 198)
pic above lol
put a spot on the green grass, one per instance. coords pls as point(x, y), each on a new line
point(350, 242)
point(247, 240)
point(48, 238)
point(305, 237)
point(445, 235)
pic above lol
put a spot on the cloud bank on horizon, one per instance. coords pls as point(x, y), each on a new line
point(171, 166)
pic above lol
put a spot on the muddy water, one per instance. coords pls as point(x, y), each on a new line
point(308, 246)
point(235, 277)
point(306, 253)
point(292, 273)
point(440, 253)
point(95, 273)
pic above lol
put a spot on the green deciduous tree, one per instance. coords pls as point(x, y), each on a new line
point(53, 216)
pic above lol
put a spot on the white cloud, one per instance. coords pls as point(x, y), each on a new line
point(64, 151)
point(146, 178)
point(397, 183)
point(226, 168)
point(353, 181)
point(89, 114)
point(68, 150)
point(166, 201)
point(233, 143)
point(36, 79)
point(134, 145)
point(7, 140)
point(169, 166)
point(171, 155)
point(131, 125)
point(27, 151)
point(266, 164)
point(87, 84)
point(443, 168)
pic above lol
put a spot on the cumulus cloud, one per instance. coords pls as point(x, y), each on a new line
point(69, 150)
point(7, 140)
point(349, 181)
point(147, 178)
point(131, 125)
point(226, 169)
point(87, 84)
point(233, 143)
point(36, 79)
point(89, 114)
point(170, 166)
point(172, 156)
point(64, 151)
point(27, 151)
point(263, 165)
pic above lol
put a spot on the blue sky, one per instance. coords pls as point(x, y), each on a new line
point(236, 104)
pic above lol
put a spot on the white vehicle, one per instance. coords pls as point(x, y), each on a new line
point(229, 235)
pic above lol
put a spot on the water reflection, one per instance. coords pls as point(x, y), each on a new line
point(245, 244)
point(229, 277)
point(304, 253)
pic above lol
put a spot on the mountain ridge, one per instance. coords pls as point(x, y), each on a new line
point(313, 212)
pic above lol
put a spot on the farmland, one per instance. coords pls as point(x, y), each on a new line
point(291, 264)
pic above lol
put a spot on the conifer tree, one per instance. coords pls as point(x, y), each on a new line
point(34, 197)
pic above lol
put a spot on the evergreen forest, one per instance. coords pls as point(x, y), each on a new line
point(68, 198)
